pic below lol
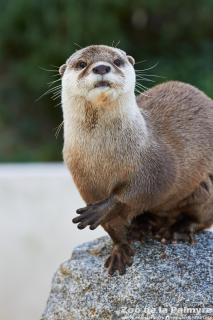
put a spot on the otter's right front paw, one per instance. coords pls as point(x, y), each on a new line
point(88, 216)
point(121, 256)
point(92, 215)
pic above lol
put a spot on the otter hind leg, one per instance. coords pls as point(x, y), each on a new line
point(122, 254)
point(184, 229)
point(113, 217)
point(198, 208)
point(196, 213)
point(152, 225)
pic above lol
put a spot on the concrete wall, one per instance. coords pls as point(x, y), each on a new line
point(37, 204)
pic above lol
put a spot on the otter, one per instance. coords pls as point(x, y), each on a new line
point(139, 162)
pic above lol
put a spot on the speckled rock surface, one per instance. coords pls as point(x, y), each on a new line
point(165, 282)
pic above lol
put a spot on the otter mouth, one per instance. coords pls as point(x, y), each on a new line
point(102, 84)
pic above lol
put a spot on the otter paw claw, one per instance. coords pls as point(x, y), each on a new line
point(92, 215)
point(121, 256)
point(184, 236)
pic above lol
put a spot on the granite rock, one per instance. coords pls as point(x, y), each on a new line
point(165, 282)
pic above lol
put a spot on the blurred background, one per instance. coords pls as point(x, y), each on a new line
point(37, 196)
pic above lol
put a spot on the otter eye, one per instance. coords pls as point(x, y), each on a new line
point(118, 62)
point(81, 64)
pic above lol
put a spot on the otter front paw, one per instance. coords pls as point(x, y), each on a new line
point(120, 258)
point(92, 215)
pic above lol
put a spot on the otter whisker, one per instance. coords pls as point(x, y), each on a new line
point(57, 105)
point(55, 75)
point(56, 92)
point(142, 86)
point(77, 45)
point(48, 70)
point(141, 61)
point(141, 91)
point(149, 75)
point(56, 89)
point(145, 79)
point(48, 91)
point(58, 129)
point(117, 43)
point(55, 97)
point(137, 91)
point(52, 82)
point(152, 67)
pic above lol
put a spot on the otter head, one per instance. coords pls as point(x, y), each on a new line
point(100, 74)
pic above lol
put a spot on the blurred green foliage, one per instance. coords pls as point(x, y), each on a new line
point(37, 35)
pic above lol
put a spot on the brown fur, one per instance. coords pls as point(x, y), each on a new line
point(91, 116)
point(180, 117)
point(170, 177)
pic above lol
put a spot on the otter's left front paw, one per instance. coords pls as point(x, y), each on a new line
point(92, 215)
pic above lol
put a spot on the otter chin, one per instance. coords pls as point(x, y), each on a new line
point(142, 164)
point(103, 94)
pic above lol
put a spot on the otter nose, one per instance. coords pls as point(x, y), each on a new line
point(101, 69)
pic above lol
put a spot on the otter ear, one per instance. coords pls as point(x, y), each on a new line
point(62, 69)
point(131, 60)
